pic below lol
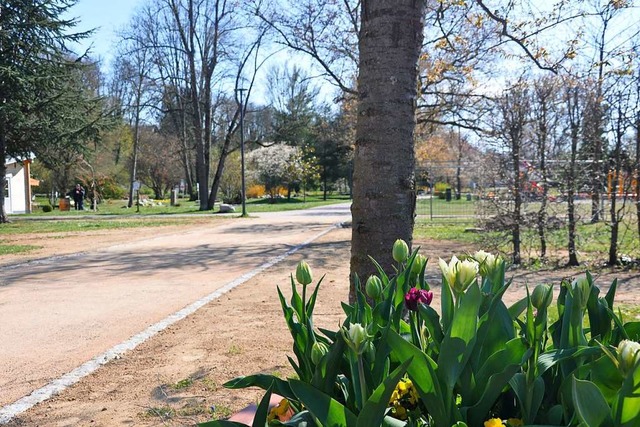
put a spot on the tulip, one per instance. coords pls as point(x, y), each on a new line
point(449, 270)
point(581, 290)
point(542, 296)
point(400, 251)
point(466, 272)
point(417, 296)
point(303, 273)
point(373, 287)
point(628, 355)
point(487, 262)
point(356, 337)
point(418, 264)
point(318, 351)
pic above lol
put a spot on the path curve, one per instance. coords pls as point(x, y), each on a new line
point(60, 312)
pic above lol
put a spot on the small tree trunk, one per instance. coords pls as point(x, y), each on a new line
point(517, 205)
point(3, 173)
point(542, 213)
point(571, 209)
point(134, 156)
point(637, 175)
point(573, 112)
point(615, 225)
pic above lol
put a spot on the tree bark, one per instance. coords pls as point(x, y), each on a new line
point(384, 196)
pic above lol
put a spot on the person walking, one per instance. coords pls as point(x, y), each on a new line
point(78, 197)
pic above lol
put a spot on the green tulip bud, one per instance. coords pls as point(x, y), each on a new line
point(581, 290)
point(318, 351)
point(542, 296)
point(466, 272)
point(373, 287)
point(303, 273)
point(487, 262)
point(370, 351)
point(400, 251)
point(628, 355)
point(418, 264)
point(356, 337)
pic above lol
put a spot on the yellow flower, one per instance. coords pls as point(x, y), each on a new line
point(403, 399)
point(515, 422)
point(282, 411)
point(404, 386)
point(493, 422)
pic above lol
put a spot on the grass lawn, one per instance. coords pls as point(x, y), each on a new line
point(163, 207)
point(129, 218)
point(61, 226)
point(16, 249)
point(295, 203)
point(592, 242)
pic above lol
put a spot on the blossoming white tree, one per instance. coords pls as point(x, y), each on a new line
point(280, 165)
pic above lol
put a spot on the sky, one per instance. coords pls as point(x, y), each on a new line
point(107, 18)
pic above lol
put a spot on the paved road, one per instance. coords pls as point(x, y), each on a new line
point(61, 312)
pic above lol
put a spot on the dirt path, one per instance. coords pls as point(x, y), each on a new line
point(175, 378)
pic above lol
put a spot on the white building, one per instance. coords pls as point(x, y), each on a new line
point(17, 187)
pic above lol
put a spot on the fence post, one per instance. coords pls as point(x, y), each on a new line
point(431, 204)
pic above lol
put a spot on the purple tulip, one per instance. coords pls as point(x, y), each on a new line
point(415, 296)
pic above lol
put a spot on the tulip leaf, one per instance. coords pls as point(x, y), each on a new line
point(381, 363)
point(459, 340)
point(549, 359)
point(383, 276)
point(495, 328)
point(296, 300)
point(611, 293)
point(518, 307)
point(432, 322)
point(328, 411)
point(626, 408)
point(422, 372)
point(590, 405)
point(513, 353)
point(221, 423)
point(529, 396)
point(262, 381)
point(324, 377)
point(374, 408)
point(262, 412)
point(312, 300)
point(446, 304)
point(632, 330)
point(491, 390)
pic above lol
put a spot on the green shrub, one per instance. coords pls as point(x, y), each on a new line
point(47, 208)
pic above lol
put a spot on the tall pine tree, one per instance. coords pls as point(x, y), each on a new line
point(37, 106)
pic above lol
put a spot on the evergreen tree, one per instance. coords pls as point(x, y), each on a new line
point(37, 104)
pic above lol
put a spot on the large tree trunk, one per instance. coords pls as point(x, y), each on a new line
point(383, 206)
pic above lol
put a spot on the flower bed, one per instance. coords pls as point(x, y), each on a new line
point(396, 361)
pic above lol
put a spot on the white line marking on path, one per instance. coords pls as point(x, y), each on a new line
point(8, 412)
